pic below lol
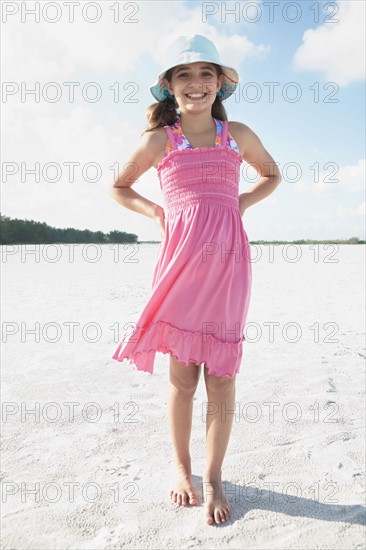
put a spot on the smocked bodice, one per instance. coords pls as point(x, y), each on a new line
point(207, 175)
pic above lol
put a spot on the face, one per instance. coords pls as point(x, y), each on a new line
point(197, 79)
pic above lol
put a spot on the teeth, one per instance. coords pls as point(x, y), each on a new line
point(195, 95)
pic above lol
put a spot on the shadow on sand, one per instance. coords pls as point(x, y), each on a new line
point(244, 498)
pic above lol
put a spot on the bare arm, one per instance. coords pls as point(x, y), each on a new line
point(257, 156)
point(139, 162)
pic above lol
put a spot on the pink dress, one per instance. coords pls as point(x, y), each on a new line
point(202, 279)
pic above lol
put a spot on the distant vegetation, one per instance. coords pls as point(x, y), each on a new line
point(352, 240)
point(15, 231)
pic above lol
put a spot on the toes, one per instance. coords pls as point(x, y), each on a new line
point(217, 513)
point(227, 512)
point(183, 499)
point(209, 516)
point(217, 516)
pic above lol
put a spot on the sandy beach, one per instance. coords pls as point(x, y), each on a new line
point(86, 452)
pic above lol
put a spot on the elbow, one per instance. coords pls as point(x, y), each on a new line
point(112, 189)
point(274, 179)
point(277, 177)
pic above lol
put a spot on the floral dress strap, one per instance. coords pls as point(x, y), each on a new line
point(169, 131)
point(224, 133)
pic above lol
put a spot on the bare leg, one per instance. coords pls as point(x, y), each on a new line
point(221, 393)
point(182, 387)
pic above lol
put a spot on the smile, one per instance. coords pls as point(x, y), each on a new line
point(195, 96)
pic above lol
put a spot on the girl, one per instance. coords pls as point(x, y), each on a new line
point(202, 279)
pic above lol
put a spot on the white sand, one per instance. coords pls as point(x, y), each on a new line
point(318, 458)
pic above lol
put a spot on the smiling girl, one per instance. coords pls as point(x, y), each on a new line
point(202, 279)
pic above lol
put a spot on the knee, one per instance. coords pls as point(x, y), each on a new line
point(186, 381)
point(220, 386)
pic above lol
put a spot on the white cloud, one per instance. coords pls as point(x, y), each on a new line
point(103, 132)
point(272, 199)
point(344, 212)
point(340, 212)
point(337, 49)
point(324, 215)
point(233, 48)
point(54, 51)
point(78, 137)
point(348, 179)
point(342, 221)
point(361, 209)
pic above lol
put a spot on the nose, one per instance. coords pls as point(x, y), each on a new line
point(195, 83)
point(200, 84)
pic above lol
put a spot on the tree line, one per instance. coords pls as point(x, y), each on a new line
point(16, 231)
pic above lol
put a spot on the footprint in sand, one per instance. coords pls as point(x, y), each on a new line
point(332, 386)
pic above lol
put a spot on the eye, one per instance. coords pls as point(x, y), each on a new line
point(205, 74)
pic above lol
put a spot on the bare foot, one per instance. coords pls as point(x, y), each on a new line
point(217, 507)
point(183, 492)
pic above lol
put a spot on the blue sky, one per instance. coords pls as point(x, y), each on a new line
point(317, 137)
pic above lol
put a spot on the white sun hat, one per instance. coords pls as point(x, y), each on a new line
point(190, 49)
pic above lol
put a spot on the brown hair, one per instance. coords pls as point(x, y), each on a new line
point(164, 112)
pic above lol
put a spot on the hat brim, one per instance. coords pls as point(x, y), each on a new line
point(229, 85)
